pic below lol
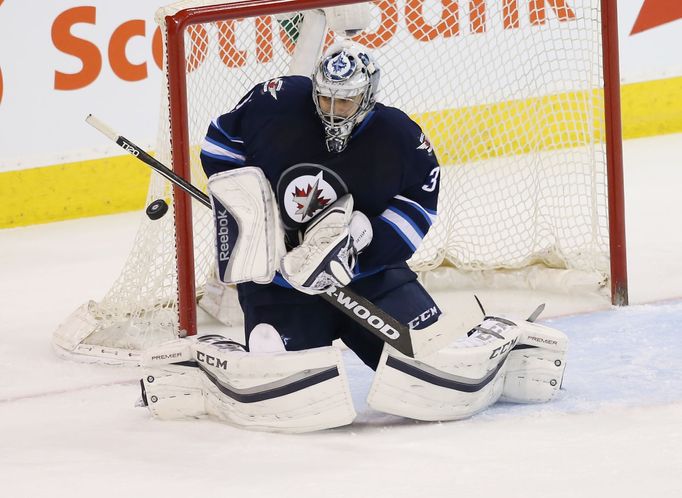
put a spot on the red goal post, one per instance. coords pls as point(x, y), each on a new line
point(614, 152)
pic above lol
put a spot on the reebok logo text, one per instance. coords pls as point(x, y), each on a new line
point(223, 236)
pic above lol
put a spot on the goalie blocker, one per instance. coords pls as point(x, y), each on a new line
point(249, 237)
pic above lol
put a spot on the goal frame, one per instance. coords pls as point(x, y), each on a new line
point(177, 24)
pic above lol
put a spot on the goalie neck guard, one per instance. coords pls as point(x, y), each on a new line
point(346, 73)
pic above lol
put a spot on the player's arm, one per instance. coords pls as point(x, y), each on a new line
point(400, 229)
point(223, 147)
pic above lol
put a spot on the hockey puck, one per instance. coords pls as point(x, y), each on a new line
point(157, 209)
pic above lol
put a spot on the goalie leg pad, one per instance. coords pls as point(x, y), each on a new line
point(172, 387)
point(536, 365)
point(298, 391)
point(173, 392)
point(249, 236)
point(453, 383)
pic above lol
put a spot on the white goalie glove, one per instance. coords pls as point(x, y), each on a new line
point(329, 250)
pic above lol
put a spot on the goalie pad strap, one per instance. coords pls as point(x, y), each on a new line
point(249, 238)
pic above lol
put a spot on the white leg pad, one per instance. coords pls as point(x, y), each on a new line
point(174, 392)
point(172, 387)
point(453, 383)
point(536, 365)
point(297, 391)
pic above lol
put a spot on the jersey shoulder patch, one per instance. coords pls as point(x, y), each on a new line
point(284, 87)
point(425, 144)
point(272, 87)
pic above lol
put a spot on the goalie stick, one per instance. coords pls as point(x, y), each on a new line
point(356, 307)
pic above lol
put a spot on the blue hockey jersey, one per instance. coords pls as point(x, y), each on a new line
point(388, 166)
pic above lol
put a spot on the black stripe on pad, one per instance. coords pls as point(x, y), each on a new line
point(293, 383)
point(439, 378)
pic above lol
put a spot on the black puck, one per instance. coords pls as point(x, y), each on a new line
point(157, 209)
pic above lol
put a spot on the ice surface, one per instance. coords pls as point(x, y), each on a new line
point(69, 429)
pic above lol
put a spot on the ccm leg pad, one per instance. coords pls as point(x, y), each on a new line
point(172, 387)
point(453, 383)
point(288, 391)
point(536, 365)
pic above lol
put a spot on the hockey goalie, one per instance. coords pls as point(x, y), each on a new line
point(316, 185)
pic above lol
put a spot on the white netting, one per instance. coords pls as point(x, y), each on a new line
point(509, 93)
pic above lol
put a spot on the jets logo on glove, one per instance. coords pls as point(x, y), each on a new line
point(329, 250)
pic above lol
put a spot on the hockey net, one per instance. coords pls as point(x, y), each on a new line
point(510, 94)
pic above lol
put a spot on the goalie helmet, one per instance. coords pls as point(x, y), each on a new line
point(346, 79)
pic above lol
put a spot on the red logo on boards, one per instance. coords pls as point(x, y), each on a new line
point(654, 13)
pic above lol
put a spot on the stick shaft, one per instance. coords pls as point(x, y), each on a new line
point(143, 156)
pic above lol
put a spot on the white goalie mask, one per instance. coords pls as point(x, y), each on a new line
point(345, 84)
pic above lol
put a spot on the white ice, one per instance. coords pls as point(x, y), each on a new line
point(68, 429)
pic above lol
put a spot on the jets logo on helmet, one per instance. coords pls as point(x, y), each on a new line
point(304, 190)
point(272, 87)
point(339, 67)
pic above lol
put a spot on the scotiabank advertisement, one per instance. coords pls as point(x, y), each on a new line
point(63, 59)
